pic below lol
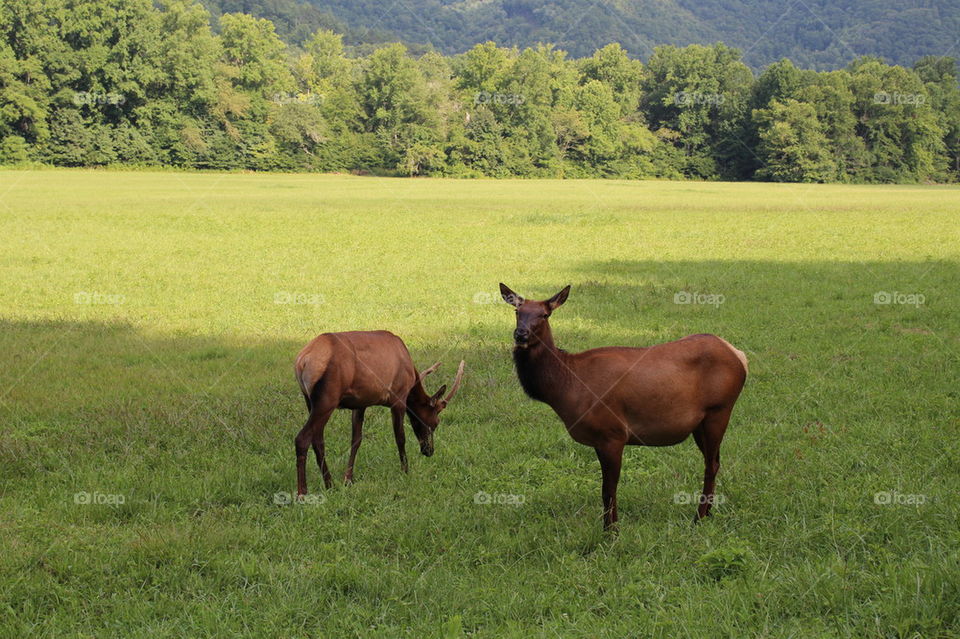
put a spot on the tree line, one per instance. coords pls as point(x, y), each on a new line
point(131, 82)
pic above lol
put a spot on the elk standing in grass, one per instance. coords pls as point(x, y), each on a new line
point(615, 396)
point(356, 370)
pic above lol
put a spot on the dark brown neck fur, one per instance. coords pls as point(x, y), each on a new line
point(541, 368)
point(417, 400)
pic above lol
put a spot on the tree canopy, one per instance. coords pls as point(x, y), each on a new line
point(86, 83)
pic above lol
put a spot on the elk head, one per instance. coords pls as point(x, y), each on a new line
point(424, 410)
point(532, 325)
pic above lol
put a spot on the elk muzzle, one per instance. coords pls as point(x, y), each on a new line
point(521, 337)
point(426, 446)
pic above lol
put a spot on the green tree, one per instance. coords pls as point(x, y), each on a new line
point(939, 74)
point(536, 96)
point(25, 39)
point(896, 121)
point(298, 129)
point(702, 93)
point(258, 57)
point(102, 72)
point(479, 140)
point(831, 94)
point(792, 145)
point(260, 82)
point(189, 55)
point(183, 105)
point(613, 68)
point(483, 68)
point(325, 78)
point(14, 150)
point(396, 104)
point(422, 158)
point(780, 81)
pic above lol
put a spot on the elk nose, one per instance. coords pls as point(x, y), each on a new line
point(521, 335)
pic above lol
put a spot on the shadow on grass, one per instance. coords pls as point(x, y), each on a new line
point(106, 399)
point(113, 388)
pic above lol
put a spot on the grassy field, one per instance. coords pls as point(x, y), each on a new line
point(149, 327)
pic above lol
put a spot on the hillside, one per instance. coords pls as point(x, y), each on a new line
point(818, 34)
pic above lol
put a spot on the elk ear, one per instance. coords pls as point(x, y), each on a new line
point(436, 396)
point(559, 298)
point(509, 296)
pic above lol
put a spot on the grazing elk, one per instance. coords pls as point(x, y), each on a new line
point(614, 396)
point(356, 370)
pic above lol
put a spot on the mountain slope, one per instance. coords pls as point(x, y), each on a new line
point(819, 34)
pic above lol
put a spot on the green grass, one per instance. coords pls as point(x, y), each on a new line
point(176, 391)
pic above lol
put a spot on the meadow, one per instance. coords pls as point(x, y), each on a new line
point(148, 327)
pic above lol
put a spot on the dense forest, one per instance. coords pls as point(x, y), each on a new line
point(131, 82)
point(815, 34)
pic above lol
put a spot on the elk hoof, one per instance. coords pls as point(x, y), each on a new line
point(697, 518)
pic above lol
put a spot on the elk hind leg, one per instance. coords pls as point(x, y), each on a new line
point(307, 436)
point(318, 446)
point(708, 436)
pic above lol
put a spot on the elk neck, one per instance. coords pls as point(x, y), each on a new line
point(542, 368)
point(417, 395)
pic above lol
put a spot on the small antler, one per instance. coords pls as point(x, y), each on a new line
point(420, 376)
point(456, 383)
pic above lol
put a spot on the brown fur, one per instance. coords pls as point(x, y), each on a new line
point(612, 397)
point(355, 370)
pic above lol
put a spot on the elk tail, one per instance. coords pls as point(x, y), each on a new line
point(740, 354)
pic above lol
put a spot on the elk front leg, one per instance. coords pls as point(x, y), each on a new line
point(398, 413)
point(357, 435)
point(611, 458)
point(307, 435)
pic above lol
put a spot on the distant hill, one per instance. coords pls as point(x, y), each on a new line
point(818, 34)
